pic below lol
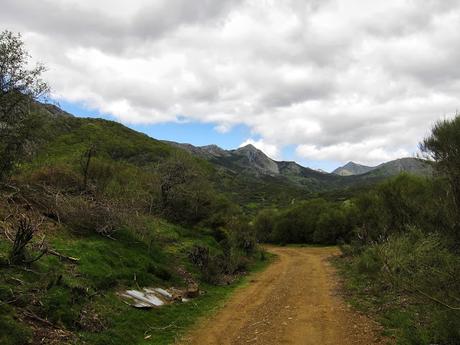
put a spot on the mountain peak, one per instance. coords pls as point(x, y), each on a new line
point(256, 159)
point(248, 147)
point(352, 168)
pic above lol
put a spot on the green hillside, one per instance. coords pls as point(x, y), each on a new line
point(109, 209)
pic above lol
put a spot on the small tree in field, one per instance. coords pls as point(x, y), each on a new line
point(19, 87)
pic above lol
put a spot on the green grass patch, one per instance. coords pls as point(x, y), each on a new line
point(127, 325)
point(63, 291)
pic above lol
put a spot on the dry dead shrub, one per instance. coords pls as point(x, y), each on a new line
point(84, 215)
point(58, 177)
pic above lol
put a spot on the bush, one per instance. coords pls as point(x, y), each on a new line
point(369, 262)
point(209, 266)
point(422, 272)
point(84, 215)
point(264, 225)
point(242, 235)
point(62, 305)
point(60, 177)
point(313, 221)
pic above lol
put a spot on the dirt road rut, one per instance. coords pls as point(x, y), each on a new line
point(293, 301)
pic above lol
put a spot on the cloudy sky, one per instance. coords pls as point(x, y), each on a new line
point(317, 81)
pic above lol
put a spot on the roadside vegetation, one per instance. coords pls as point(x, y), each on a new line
point(400, 242)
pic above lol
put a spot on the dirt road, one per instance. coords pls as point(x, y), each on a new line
point(293, 301)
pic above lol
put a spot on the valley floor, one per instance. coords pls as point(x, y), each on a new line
point(294, 301)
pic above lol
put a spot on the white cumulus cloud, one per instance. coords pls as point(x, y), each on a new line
point(338, 79)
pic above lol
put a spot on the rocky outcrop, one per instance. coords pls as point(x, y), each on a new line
point(253, 159)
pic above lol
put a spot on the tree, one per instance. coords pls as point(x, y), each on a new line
point(185, 193)
point(443, 146)
point(19, 87)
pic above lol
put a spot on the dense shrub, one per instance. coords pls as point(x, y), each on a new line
point(314, 221)
point(242, 235)
point(422, 271)
point(406, 247)
point(264, 224)
point(60, 177)
point(85, 215)
point(399, 203)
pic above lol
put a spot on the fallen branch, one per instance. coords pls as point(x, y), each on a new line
point(62, 256)
point(161, 328)
point(33, 316)
point(434, 299)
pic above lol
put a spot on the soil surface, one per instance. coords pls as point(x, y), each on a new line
point(294, 301)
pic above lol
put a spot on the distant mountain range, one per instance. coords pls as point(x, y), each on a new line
point(249, 160)
point(410, 165)
point(247, 175)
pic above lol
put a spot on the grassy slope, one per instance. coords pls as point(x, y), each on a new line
point(69, 290)
point(80, 299)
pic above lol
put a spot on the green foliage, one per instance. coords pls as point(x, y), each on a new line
point(20, 86)
point(127, 325)
point(145, 237)
point(413, 277)
point(443, 146)
point(238, 245)
point(13, 331)
point(185, 193)
point(313, 221)
point(403, 259)
point(68, 291)
point(264, 224)
point(399, 203)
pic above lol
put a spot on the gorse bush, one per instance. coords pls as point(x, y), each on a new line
point(237, 243)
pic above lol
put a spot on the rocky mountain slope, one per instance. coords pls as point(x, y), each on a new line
point(352, 168)
point(249, 160)
point(411, 165)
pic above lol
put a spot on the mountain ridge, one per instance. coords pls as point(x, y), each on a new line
point(255, 161)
